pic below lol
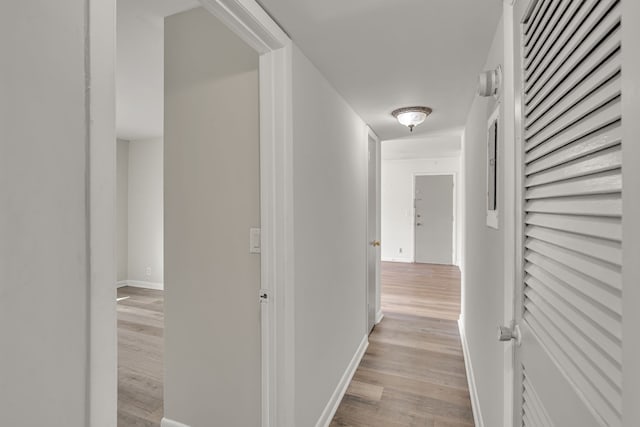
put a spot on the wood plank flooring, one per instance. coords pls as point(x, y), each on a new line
point(140, 350)
point(413, 371)
point(412, 374)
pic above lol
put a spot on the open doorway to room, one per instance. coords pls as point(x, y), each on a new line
point(188, 201)
point(140, 207)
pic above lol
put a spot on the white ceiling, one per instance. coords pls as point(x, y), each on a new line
point(385, 54)
point(140, 65)
point(443, 144)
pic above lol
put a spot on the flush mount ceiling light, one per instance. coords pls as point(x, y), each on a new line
point(411, 116)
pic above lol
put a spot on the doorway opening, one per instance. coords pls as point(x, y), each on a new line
point(188, 181)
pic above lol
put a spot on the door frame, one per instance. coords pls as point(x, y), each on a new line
point(251, 23)
point(630, 214)
point(511, 165)
point(454, 231)
point(378, 224)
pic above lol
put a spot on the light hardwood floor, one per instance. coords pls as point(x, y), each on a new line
point(413, 371)
point(140, 350)
point(412, 374)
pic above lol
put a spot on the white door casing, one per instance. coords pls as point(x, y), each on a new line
point(569, 292)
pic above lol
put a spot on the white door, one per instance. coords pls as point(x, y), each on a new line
point(434, 219)
point(373, 251)
point(568, 366)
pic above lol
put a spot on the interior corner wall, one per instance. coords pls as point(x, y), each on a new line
point(483, 268)
point(122, 209)
point(330, 188)
point(43, 216)
point(398, 205)
point(212, 354)
point(145, 232)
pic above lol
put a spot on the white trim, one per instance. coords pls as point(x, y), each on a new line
point(379, 316)
point(343, 384)
point(630, 212)
point(166, 422)
point(248, 20)
point(514, 206)
point(102, 369)
point(454, 230)
point(121, 283)
point(471, 379)
point(405, 260)
point(146, 285)
point(512, 212)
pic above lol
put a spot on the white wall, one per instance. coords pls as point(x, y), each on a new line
point(483, 261)
point(212, 198)
point(122, 209)
point(145, 212)
point(43, 215)
point(397, 204)
point(330, 187)
point(139, 78)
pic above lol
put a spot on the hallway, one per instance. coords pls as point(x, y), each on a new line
point(413, 372)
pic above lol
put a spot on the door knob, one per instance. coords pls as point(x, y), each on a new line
point(418, 224)
point(375, 243)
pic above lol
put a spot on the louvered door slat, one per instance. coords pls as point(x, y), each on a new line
point(603, 272)
point(533, 406)
point(605, 205)
point(571, 25)
point(582, 302)
point(546, 21)
point(595, 184)
point(558, 24)
point(574, 50)
point(595, 121)
point(536, 18)
point(569, 111)
point(594, 163)
point(600, 294)
point(572, 362)
point(600, 350)
point(597, 85)
point(572, 225)
point(599, 140)
point(604, 250)
point(592, 63)
point(606, 228)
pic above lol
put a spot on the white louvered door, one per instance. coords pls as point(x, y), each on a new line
point(568, 365)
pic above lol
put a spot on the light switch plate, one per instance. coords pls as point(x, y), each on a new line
point(254, 240)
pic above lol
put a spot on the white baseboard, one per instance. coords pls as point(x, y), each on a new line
point(143, 284)
point(379, 316)
point(341, 389)
point(471, 379)
point(407, 260)
point(121, 283)
point(166, 422)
